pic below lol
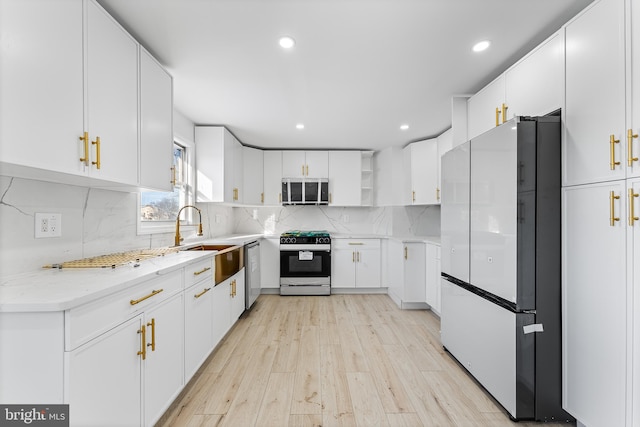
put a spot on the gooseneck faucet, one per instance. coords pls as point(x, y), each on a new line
point(178, 238)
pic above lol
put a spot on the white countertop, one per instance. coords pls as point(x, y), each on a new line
point(405, 239)
point(55, 289)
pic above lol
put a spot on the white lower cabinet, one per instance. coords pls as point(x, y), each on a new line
point(270, 262)
point(356, 263)
point(237, 296)
point(198, 322)
point(104, 378)
point(432, 278)
point(221, 310)
point(407, 273)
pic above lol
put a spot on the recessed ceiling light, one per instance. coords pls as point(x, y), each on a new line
point(287, 42)
point(404, 127)
point(480, 46)
point(300, 126)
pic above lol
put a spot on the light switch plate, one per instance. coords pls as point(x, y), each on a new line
point(48, 225)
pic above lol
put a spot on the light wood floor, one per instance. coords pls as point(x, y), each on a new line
point(342, 360)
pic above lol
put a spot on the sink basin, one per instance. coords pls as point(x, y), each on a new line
point(209, 248)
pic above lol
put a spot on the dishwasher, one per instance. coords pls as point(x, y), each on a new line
point(252, 272)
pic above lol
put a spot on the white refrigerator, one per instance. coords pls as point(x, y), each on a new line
point(500, 225)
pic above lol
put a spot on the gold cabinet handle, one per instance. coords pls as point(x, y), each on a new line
point(153, 334)
point(279, 197)
point(353, 256)
point(330, 198)
point(204, 291)
point(437, 193)
point(231, 288)
point(632, 209)
point(307, 170)
point(173, 176)
point(262, 198)
point(356, 243)
point(143, 342)
point(612, 152)
point(497, 116)
point(97, 144)
point(302, 170)
point(204, 270)
point(85, 139)
point(413, 196)
point(630, 137)
point(504, 112)
point(406, 252)
point(357, 256)
point(153, 292)
point(612, 217)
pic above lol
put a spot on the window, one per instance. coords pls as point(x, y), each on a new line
point(157, 209)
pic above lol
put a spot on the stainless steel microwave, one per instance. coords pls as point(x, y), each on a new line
point(297, 191)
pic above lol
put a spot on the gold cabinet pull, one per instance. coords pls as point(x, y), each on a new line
point(413, 196)
point(279, 197)
point(406, 252)
point(85, 139)
point(357, 256)
point(204, 291)
point(302, 170)
point(630, 138)
point(353, 256)
point(204, 270)
point(97, 144)
point(356, 243)
point(231, 288)
point(330, 198)
point(143, 342)
point(437, 193)
point(612, 217)
point(612, 151)
point(632, 209)
point(504, 112)
point(497, 116)
point(173, 176)
point(153, 292)
point(153, 334)
point(307, 170)
point(262, 198)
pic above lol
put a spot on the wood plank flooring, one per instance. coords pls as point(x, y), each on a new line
point(342, 360)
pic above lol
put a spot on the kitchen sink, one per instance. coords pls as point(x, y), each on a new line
point(209, 248)
point(228, 260)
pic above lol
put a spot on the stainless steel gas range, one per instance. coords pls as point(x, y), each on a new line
point(305, 263)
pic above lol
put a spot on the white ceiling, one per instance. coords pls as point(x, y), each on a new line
point(359, 70)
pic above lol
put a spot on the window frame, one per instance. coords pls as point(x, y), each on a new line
point(157, 227)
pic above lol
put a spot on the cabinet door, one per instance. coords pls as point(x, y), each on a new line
point(41, 107)
point(317, 164)
point(270, 263)
point(424, 172)
point(633, 259)
point(233, 169)
point(163, 368)
point(414, 272)
point(633, 36)
point(343, 268)
point(221, 295)
point(445, 144)
point(209, 163)
point(112, 98)
point(104, 374)
point(432, 279)
point(198, 326)
point(253, 178)
point(535, 85)
point(293, 164)
point(156, 124)
point(345, 177)
point(407, 183)
point(238, 299)
point(594, 113)
point(272, 178)
point(395, 260)
point(481, 107)
point(368, 265)
point(594, 303)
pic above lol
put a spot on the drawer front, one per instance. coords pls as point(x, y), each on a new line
point(356, 243)
point(90, 320)
point(198, 271)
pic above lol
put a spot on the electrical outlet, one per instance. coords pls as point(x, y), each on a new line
point(48, 225)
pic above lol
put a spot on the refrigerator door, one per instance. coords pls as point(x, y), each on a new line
point(454, 212)
point(493, 207)
point(491, 343)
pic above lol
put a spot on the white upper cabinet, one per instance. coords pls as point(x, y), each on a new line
point(594, 116)
point(272, 177)
point(219, 167)
point(421, 173)
point(50, 95)
point(487, 108)
point(253, 161)
point(345, 176)
point(305, 164)
point(535, 85)
point(156, 124)
point(445, 144)
point(112, 99)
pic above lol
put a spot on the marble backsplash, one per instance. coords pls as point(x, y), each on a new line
point(94, 222)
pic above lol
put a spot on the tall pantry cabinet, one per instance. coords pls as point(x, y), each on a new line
point(601, 257)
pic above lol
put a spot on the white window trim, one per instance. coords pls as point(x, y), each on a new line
point(145, 228)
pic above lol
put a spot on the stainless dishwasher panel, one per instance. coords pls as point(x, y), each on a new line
point(252, 273)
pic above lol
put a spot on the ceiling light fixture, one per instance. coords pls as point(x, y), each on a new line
point(480, 46)
point(287, 42)
point(404, 127)
point(300, 126)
